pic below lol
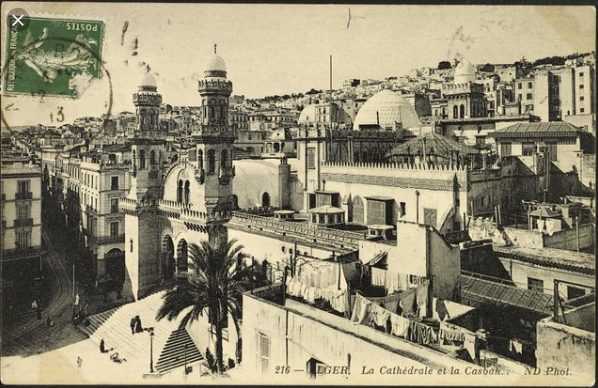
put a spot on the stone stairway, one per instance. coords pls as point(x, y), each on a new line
point(114, 327)
point(173, 353)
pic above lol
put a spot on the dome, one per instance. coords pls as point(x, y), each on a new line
point(387, 108)
point(308, 115)
point(465, 72)
point(215, 66)
point(148, 80)
point(216, 63)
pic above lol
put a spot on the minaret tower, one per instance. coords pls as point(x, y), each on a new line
point(147, 144)
point(142, 228)
point(214, 144)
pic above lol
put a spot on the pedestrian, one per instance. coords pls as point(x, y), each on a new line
point(49, 321)
point(139, 327)
point(102, 346)
point(133, 323)
point(76, 303)
point(34, 305)
point(79, 362)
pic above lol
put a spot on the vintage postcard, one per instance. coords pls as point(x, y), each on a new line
point(285, 194)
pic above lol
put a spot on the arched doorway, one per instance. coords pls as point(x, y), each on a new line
point(115, 267)
point(266, 200)
point(167, 257)
point(182, 254)
point(235, 202)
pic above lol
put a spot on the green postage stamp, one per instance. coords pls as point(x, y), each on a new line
point(53, 57)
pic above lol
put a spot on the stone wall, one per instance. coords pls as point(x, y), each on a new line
point(566, 348)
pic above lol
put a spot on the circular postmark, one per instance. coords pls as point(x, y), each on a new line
point(17, 19)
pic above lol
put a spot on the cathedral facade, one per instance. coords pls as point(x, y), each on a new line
point(171, 205)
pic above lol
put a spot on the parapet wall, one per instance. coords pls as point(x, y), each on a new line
point(427, 170)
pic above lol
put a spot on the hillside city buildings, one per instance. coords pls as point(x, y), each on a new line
point(440, 219)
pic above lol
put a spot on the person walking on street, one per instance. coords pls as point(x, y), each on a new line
point(79, 362)
point(133, 323)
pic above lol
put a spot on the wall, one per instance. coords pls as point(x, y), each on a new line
point(436, 187)
point(583, 317)
point(298, 332)
point(271, 248)
point(567, 239)
point(563, 347)
point(520, 272)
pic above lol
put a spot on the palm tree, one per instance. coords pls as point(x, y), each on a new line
point(215, 282)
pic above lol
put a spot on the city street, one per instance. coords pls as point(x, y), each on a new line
point(28, 335)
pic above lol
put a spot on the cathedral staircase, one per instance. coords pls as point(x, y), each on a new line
point(113, 326)
point(174, 354)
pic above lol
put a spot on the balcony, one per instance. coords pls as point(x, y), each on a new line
point(24, 195)
point(24, 222)
point(114, 239)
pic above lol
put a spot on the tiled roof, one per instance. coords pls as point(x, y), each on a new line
point(435, 145)
point(540, 129)
point(551, 257)
point(485, 291)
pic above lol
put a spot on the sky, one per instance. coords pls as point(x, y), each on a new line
point(284, 49)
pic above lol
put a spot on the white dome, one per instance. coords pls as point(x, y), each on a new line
point(465, 72)
point(308, 115)
point(387, 108)
point(148, 80)
point(216, 63)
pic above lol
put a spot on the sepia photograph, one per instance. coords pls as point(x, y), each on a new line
point(298, 194)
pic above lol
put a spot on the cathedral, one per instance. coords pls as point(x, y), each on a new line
point(171, 205)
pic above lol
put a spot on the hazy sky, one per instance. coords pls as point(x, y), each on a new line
point(278, 49)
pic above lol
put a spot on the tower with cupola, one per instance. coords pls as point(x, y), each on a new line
point(213, 140)
point(142, 227)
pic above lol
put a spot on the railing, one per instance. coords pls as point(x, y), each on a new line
point(24, 195)
point(300, 228)
point(119, 238)
point(23, 222)
point(185, 213)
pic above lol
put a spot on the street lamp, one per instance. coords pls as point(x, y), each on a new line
point(151, 333)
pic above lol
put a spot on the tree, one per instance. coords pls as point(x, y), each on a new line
point(216, 280)
point(442, 65)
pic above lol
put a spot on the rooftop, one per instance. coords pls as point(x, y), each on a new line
point(539, 129)
point(556, 258)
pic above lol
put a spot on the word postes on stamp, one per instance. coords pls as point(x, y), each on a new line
point(53, 57)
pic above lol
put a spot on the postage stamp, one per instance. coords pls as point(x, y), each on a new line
point(53, 57)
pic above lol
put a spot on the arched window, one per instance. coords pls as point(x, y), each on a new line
point(142, 159)
point(462, 109)
point(211, 161)
point(224, 159)
point(131, 245)
point(266, 200)
point(187, 191)
point(179, 192)
point(152, 158)
point(455, 112)
point(235, 201)
point(200, 159)
point(276, 147)
point(222, 112)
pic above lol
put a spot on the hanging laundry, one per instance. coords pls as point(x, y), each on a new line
point(378, 277)
point(390, 302)
point(406, 303)
point(516, 346)
point(422, 298)
point(471, 345)
point(441, 310)
point(450, 332)
point(399, 325)
point(420, 333)
point(379, 315)
point(361, 308)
